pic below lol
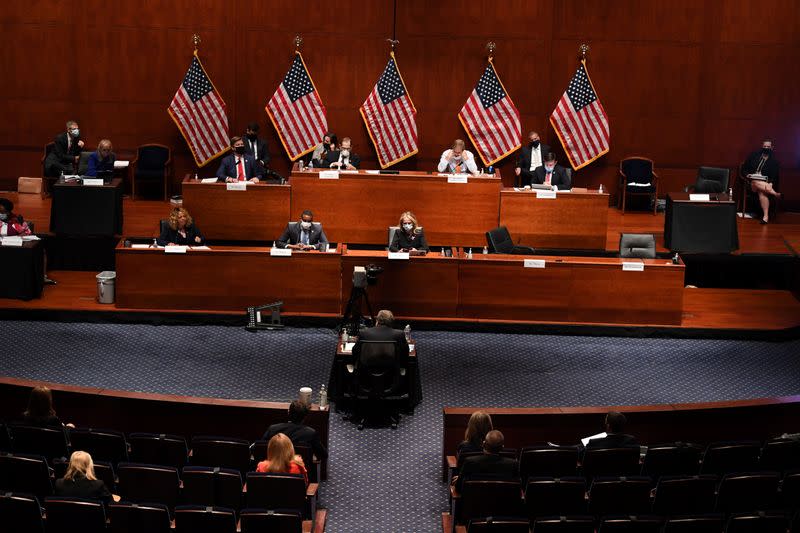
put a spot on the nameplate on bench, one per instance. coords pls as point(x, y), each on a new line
point(399, 255)
point(280, 252)
point(12, 241)
point(237, 186)
point(329, 175)
point(533, 263)
point(632, 267)
point(458, 178)
point(208, 180)
point(699, 197)
point(175, 249)
point(93, 182)
point(547, 195)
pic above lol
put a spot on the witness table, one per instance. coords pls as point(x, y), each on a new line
point(228, 278)
point(359, 207)
point(575, 220)
point(23, 271)
point(259, 213)
point(84, 210)
point(700, 226)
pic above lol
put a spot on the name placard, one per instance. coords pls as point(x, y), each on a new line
point(329, 175)
point(630, 266)
point(208, 180)
point(236, 186)
point(547, 195)
point(533, 263)
point(280, 252)
point(93, 182)
point(175, 249)
point(699, 197)
point(12, 241)
point(458, 178)
point(399, 255)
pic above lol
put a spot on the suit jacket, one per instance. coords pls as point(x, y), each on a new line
point(614, 440)
point(61, 157)
point(402, 241)
point(524, 159)
point(291, 235)
point(333, 156)
point(300, 435)
point(559, 178)
point(96, 164)
point(488, 464)
point(261, 145)
point(770, 169)
point(227, 168)
point(171, 235)
point(384, 333)
point(80, 487)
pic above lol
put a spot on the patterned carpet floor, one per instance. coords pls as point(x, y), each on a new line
point(380, 479)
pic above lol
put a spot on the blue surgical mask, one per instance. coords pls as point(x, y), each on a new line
point(75, 132)
point(3, 216)
point(408, 227)
point(548, 168)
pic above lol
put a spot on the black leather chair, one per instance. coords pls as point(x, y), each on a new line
point(673, 459)
point(685, 495)
point(499, 241)
point(631, 524)
point(499, 524)
point(790, 490)
point(158, 449)
point(101, 444)
point(153, 163)
point(83, 163)
point(739, 493)
point(65, 514)
point(731, 456)
point(221, 452)
point(639, 170)
point(564, 524)
point(705, 523)
point(480, 498)
point(195, 518)
point(780, 454)
point(610, 462)
point(711, 180)
point(543, 461)
point(148, 483)
point(765, 522)
point(20, 513)
point(642, 245)
point(281, 491)
point(51, 442)
point(378, 384)
point(619, 495)
point(549, 496)
point(273, 520)
point(26, 474)
point(213, 487)
point(127, 517)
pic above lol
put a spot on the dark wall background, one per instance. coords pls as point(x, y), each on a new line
point(685, 82)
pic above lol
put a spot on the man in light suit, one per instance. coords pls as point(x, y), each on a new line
point(255, 145)
point(531, 157)
point(239, 166)
point(552, 173)
point(303, 236)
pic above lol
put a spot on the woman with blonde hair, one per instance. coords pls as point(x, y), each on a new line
point(180, 230)
point(281, 458)
point(410, 237)
point(480, 423)
point(102, 160)
point(80, 481)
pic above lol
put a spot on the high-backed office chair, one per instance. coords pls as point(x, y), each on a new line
point(626, 524)
point(499, 241)
point(733, 456)
point(642, 245)
point(637, 178)
point(711, 180)
point(481, 497)
point(780, 454)
point(83, 163)
point(153, 162)
point(763, 522)
point(745, 492)
point(628, 495)
point(694, 523)
point(378, 384)
point(540, 461)
point(610, 462)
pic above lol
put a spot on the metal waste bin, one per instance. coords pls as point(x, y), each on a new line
point(106, 281)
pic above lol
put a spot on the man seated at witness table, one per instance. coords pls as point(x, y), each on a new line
point(102, 160)
point(410, 237)
point(304, 235)
point(299, 433)
point(10, 223)
point(489, 463)
point(180, 230)
point(383, 331)
point(763, 163)
point(531, 157)
point(344, 158)
point(239, 166)
point(66, 151)
point(457, 160)
point(255, 145)
point(551, 173)
point(614, 425)
point(329, 144)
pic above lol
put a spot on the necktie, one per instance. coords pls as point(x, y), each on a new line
point(240, 169)
point(69, 143)
point(457, 169)
point(548, 175)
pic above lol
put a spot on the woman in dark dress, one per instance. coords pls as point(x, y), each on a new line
point(410, 237)
point(80, 481)
point(40, 410)
point(181, 230)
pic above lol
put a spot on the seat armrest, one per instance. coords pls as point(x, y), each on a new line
point(311, 490)
point(523, 250)
point(452, 461)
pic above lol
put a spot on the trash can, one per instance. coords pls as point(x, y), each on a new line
point(105, 286)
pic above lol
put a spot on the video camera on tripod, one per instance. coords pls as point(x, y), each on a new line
point(363, 276)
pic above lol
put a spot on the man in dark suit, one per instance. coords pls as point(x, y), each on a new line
point(552, 174)
point(303, 236)
point(490, 462)
point(344, 158)
point(615, 436)
point(297, 431)
point(66, 151)
point(383, 331)
point(239, 166)
point(255, 145)
point(530, 158)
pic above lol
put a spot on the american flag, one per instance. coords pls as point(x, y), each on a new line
point(389, 115)
point(297, 112)
point(581, 122)
point(199, 112)
point(491, 118)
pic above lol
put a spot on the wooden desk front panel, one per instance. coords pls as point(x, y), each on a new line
point(420, 287)
point(226, 279)
point(358, 208)
point(574, 220)
point(258, 214)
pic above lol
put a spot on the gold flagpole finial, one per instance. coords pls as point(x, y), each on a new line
point(298, 42)
point(490, 48)
point(196, 41)
point(393, 43)
point(583, 49)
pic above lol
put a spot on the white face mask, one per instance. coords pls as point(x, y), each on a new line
point(3, 216)
point(408, 227)
point(549, 168)
point(305, 225)
point(345, 153)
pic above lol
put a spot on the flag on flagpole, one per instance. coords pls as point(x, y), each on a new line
point(199, 112)
point(491, 119)
point(580, 121)
point(389, 115)
point(297, 112)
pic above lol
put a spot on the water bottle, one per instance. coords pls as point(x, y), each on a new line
point(195, 176)
point(490, 170)
point(485, 250)
point(407, 332)
point(345, 336)
point(300, 165)
point(469, 253)
point(155, 243)
point(730, 193)
point(61, 177)
point(310, 164)
point(274, 245)
point(600, 190)
point(323, 397)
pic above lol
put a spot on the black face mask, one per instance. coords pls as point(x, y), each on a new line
point(534, 144)
point(253, 136)
point(239, 150)
point(766, 151)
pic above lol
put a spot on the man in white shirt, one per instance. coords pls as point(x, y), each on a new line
point(457, 160)
point(531, 157)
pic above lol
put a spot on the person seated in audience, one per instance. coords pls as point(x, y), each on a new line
point(457, 160)
point(180, 230)
point(10, 223)
point(480, 423)
point(303, 236)
point(239, 166)
point(614, 425)
point(551, 173)
point(762, 162)
point(80, 482)
point(383, 331)
point(410, 237)
point(101, 160)
point(299, 433)
point(40, 411)
point(531, 157)
point(255, 145)
point(344, 158)
point(329, 144)
point(489, 463)
point(65, 153)
point(281, 458)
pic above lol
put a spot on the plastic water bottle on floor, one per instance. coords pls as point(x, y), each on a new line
point(407, 332)
point(323, 397)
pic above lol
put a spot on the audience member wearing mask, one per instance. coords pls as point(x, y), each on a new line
point(239, 166)
point(551, 173)
point(458, 160)
point(762, 162)
point(10, 223)
point(180, 230)
point(530, 158)
point(329, 144)
point(65, 153)
point(410, 237)
point(303, 236)
point(255, 145)
point(344, 158)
